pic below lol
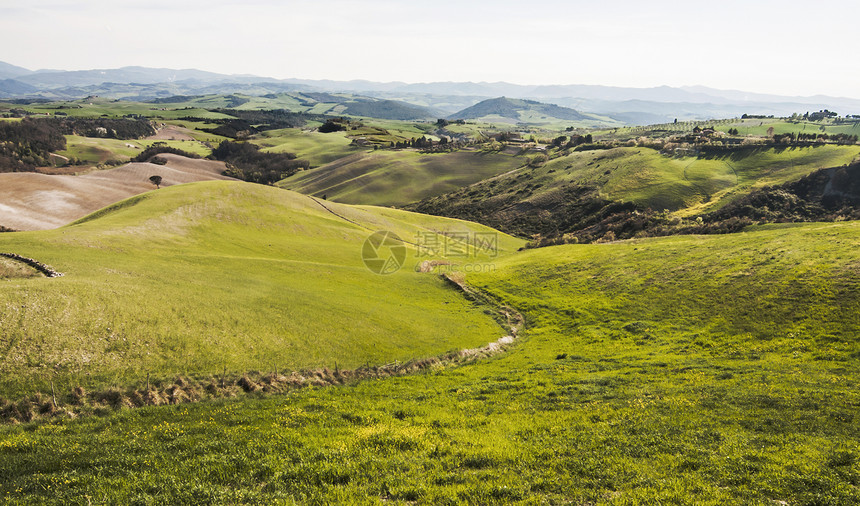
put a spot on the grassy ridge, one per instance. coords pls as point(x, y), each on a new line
point(196, 278)
point(398, 177)
point(726, 375)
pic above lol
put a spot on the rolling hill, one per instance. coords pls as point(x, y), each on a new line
point(714, 370)
point(198, 278)
point(511, 110)
point(572, 192)
point(394, 178)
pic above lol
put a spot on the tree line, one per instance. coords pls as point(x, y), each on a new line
point(27, 144)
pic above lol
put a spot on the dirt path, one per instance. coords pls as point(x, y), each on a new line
point(32, 201)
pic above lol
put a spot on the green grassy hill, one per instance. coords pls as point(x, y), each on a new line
point(707, 370)
point(196, 278)
point(569, 188)
point(399, 177)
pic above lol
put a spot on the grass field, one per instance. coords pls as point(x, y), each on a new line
point(193, 279)
point(398, 177)
point(726, 375)
point(316, 148)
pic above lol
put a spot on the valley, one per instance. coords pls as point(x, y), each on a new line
point(332, 298)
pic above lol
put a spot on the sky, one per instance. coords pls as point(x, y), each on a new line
point(784, 47)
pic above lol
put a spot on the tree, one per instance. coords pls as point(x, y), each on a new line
point(156, 180)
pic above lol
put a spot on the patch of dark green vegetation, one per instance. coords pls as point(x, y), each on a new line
point(122, 204)
point(333, 125)
point(159, 148)
point(27, 144)
point(246, 162)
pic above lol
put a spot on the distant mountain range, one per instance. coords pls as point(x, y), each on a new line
point(627, 105)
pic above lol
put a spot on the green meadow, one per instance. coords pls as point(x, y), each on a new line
point(399, 177)
point(706, 370)
point(198, 279)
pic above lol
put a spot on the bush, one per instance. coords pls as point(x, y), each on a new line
point(332, 125)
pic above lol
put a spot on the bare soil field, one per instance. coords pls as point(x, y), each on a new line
point(171, 133)
point(32, 201)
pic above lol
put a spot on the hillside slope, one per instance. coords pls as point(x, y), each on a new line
point(684, 370)
point(575, 190)
point(196, 278)
point(30, 201)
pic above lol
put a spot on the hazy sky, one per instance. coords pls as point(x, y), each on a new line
point(783, 47)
